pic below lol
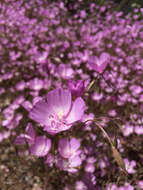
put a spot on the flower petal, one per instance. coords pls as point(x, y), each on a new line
point(54, 130)
point(60, 100)
point(30, 131)
point(22, 139)
point(68, 148)
point(75, 162)
point(41, 112)
point(77, 111)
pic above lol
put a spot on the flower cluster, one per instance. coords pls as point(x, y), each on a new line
point(63, 64)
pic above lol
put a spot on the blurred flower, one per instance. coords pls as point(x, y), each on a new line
point(65, 71)
point(79, 185)
point(69, 148)
point(70, 164)
point(28, 137)
point(41, 146)
point(99, 63)
point(76, 87)
point(69, 152)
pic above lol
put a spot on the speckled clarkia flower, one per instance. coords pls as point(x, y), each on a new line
point(58, 113)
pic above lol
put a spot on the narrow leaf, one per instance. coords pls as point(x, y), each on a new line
point(118, 159)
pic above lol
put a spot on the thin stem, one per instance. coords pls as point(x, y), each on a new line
point(104, 132)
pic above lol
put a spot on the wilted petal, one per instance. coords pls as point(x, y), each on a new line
point(77, 111)
point(41, 146)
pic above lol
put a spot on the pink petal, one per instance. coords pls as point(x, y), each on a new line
point(30, 131)
point(77, 111)
point(54, 130)
point(22, 139)
point(68, 148)
point(41, 112)
point(99, 64)
point(41, 146)
point(74, 144)
point(60, 100)
point(75, 162)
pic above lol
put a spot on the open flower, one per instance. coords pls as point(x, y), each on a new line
point(58, 113)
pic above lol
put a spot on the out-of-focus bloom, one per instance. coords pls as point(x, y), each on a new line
point(65, 71)
point(99, 64)
point(36, 84)
point(130, 166)
point(58, 113)
point(41, 146)
point(79, 185)
point(140, 184)
point(89, 167)
point(76, 87)
point(50, 160)
point(70, 155)
point(69, 148)
point(69, 165)
point(28, 137)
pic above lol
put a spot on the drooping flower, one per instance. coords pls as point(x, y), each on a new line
point(99, 63)
point(58, 113)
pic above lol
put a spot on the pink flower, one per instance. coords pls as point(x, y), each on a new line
point(58, 113)
point(28, 137)
point(41, 146)
point(70, 164)
point(76, 87)
point(99, 64)
point(69, 148)
point(69, 152)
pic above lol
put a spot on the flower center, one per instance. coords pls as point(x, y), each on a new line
point(60, 114)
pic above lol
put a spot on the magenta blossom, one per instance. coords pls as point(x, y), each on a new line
point(69, 152)
point(58, 113)
point(28, 137)
point(69, 148)
point(39, 146)
point(76, 87)
point(99, 64)
point(70, 164)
